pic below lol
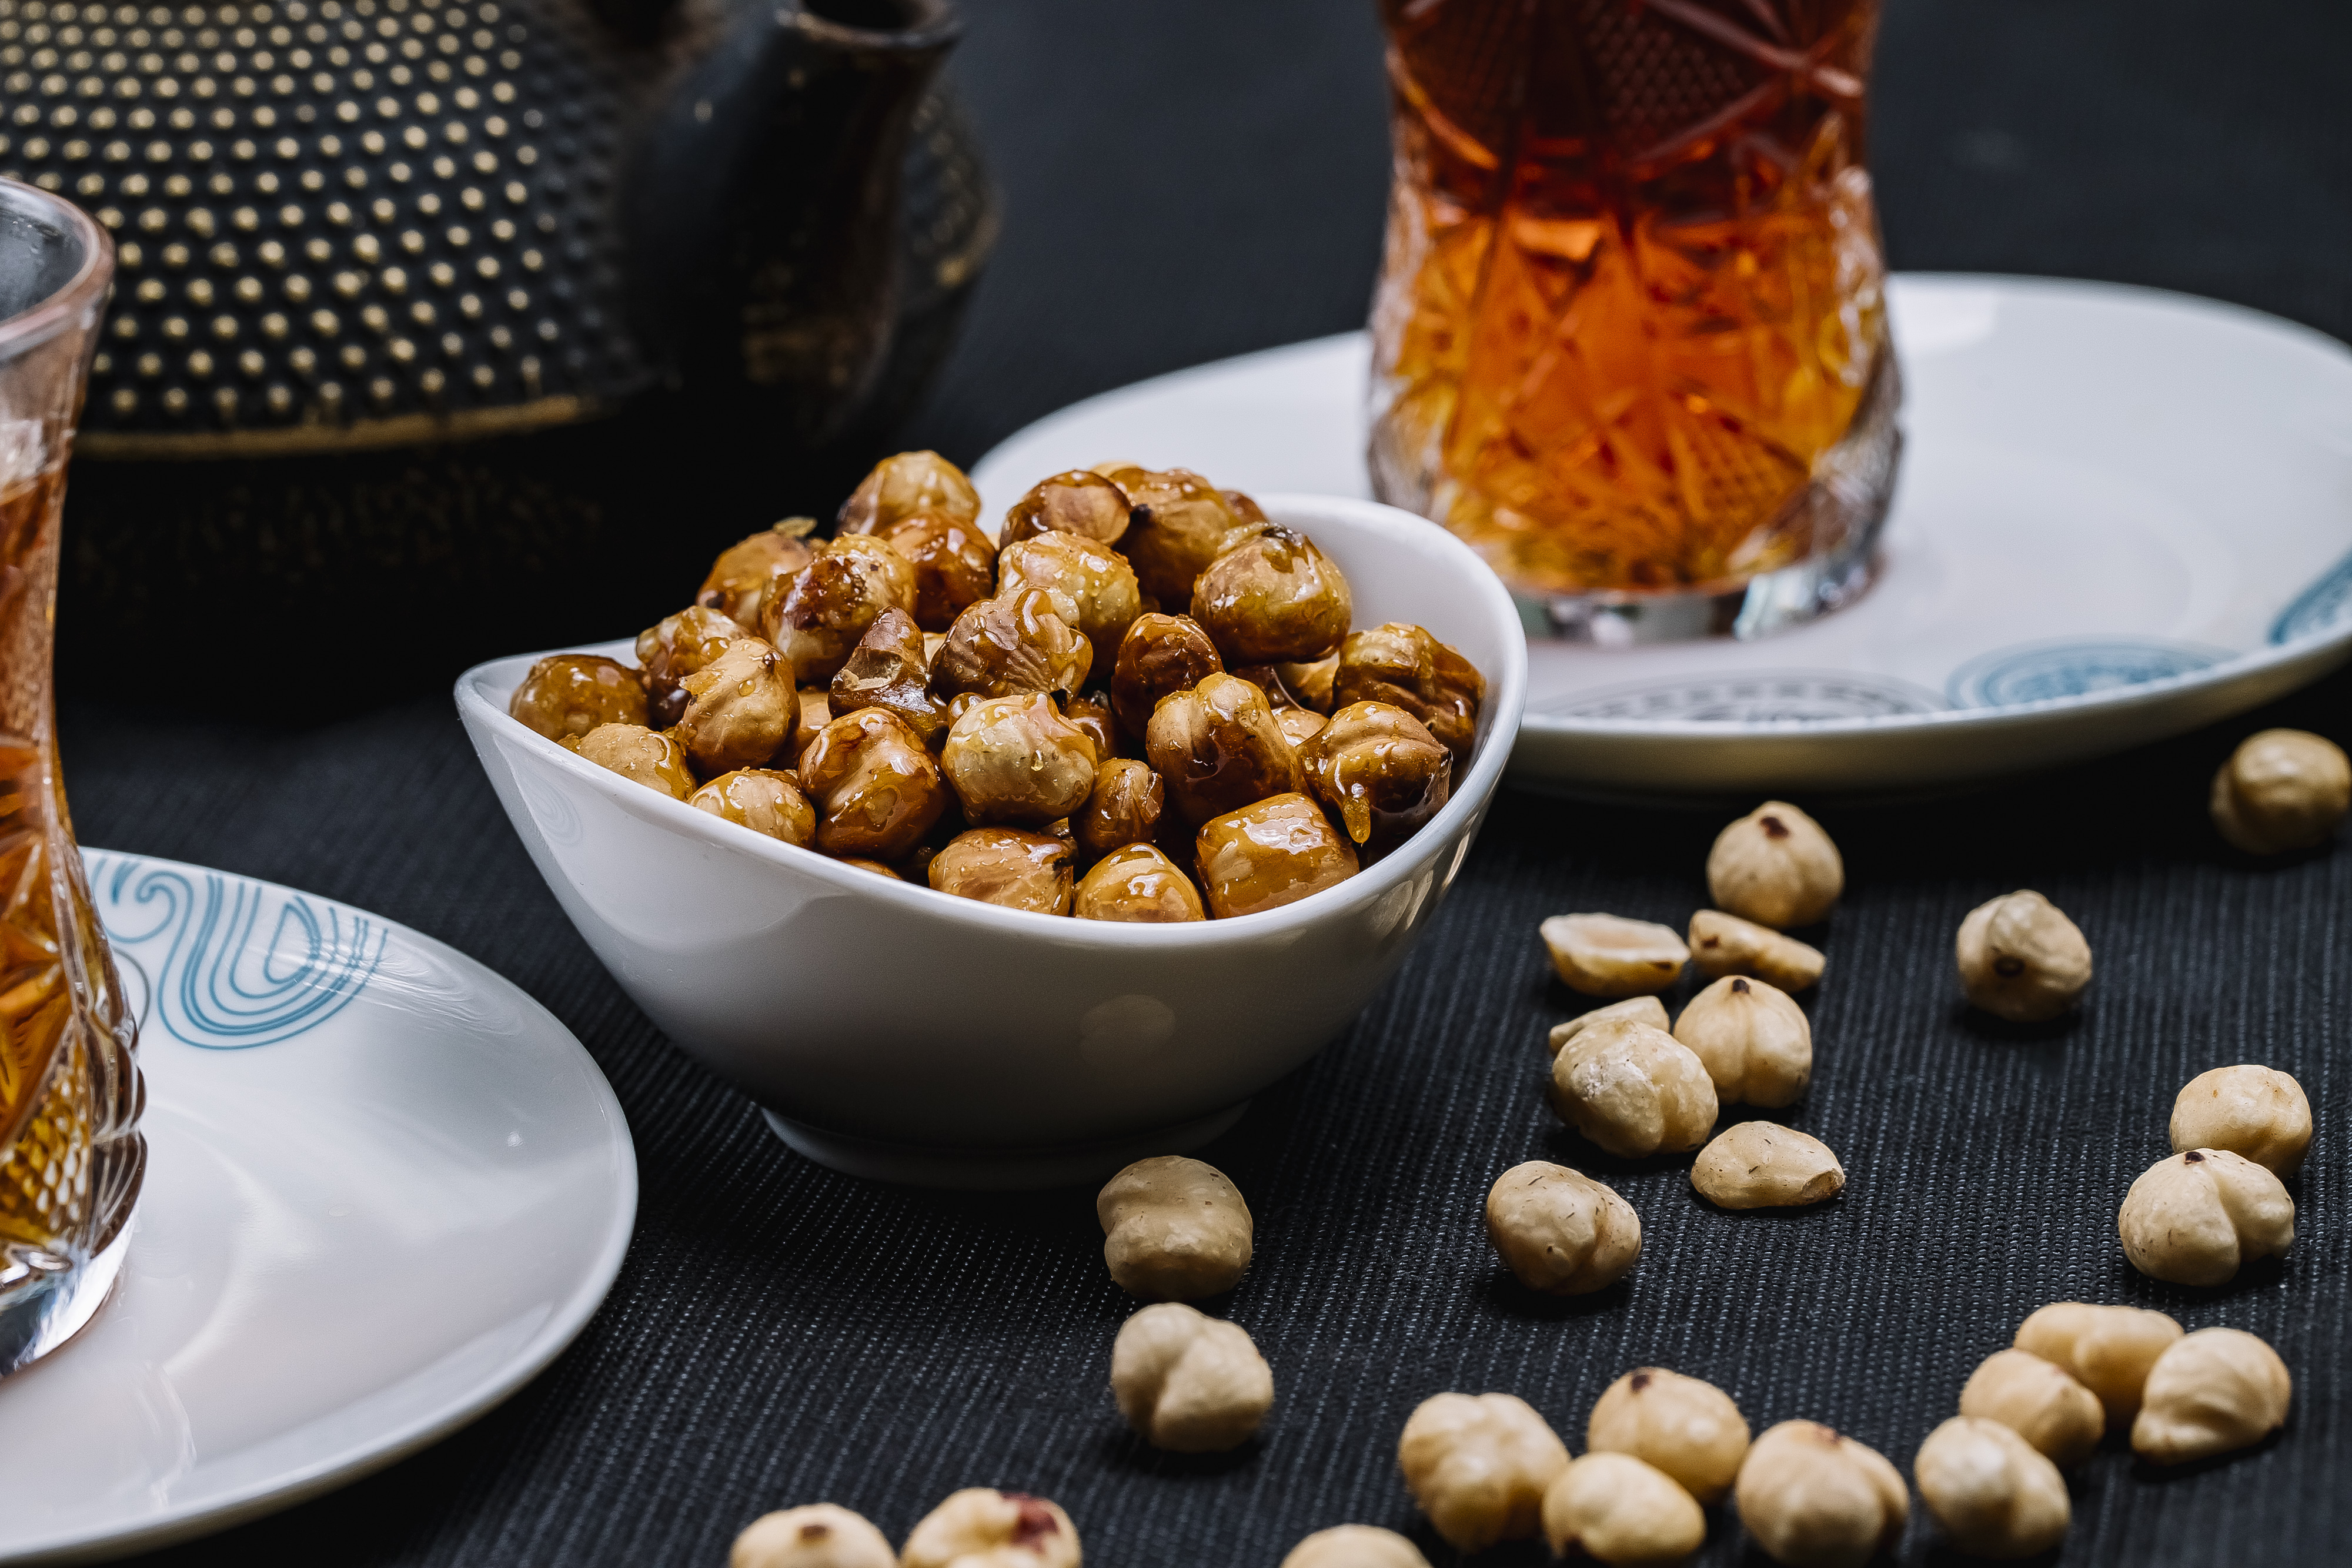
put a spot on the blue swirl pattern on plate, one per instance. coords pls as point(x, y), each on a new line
point(2041, 671)
point(2324, 606)
point(215, 984)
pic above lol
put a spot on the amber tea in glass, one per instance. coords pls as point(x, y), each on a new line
point(1630, 336)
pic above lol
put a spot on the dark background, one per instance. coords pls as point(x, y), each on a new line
point(1189, 180)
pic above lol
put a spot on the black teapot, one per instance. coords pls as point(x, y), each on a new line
point(480, 323)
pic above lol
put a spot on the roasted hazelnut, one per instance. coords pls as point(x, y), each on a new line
point(1244, 506)
point(741, 708)
point(571, 694)
point(2039, 1401)
point(1561, 1231)
point(1990, 1490)
point(886, 670)
point(816, 712)
point(676, 647)
point(2257, 1111)
point(1634, 1010)
point(1189, 1382)
point(1090, 711)
point(1274, 851)
point(1311, 684)
point(1271, 596)
point(747, 574)
point(765, 801)
point(1757, 1045)
point(1016, 759)
point(2195, 1218)
point(1300, 725)
point(2021, 959)
point(1776, 867)
point(1478, 1464)
point(1219, 749)
point(954, 562)
point(876, 867)
point(875, 788)
point(1762, 1165)
point(653, 758)
point(1614, 1508)
point(1124, 808)
point(1137, 884)
point(817, 617)
point(1080, 502)
point(1403, 664)
point(1355, 1547)
point(1633, 1090)
point(1812, 1498)
point(1380, 770)
point(820, 1535)
point(1687, 1428)
point(1724, 944)
point(1012, 643)
point(978, 1528)
point(1174, 1230)
point(1178, 523)
point(1092, 579)
point(2282, 790)
point(1159, 655)
point(1006, 867)
point(2210, 1392)
point(1609, 955)
point(2107, 1349)
point(900, 486)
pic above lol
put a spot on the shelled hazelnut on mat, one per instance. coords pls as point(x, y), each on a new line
point(1990, 1490)
point(979, 1527)
point(1633, 1010)
point(1686, 1427)
point(1617, 1509)
point(1355, 1547)
point(2195, 1218)
point(1755, 1042)
point(1478, 1466)
point(2282, 790)
point(1776, 867)
point(1633, 1090)
point(820, 1535)
point(1189, 1384)
point(1561, 1231)
point(1174, 1230)
point(2038, 1400)
point(1762, 1165)
point(1609, 955)
point(2257, 1111)
point(1724, 944)
point(2212, 1392)
point(2021, 959)
point(2107, 1349)
point(1813, 1498)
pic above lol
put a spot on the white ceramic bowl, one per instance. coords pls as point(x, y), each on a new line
point(895, 1032)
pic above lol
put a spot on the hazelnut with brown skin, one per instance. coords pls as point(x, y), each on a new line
point(1079, 502)
point(900, 486)
point(954, 562)
point(820, 1535)
point(1178, 525)
point(820, 614)
point(1271, 596)
point(1006, 867)
point(1159, 655)
point(875, 788)
point(1380, 770)
point(1137, 884)
point(1273, 853)
point(1124, 808)
point(641, 756)
point(1403, 664)
point(1011, 644)
point(747, 574)
point(741, 708)
point(978, 1528)
point(886, 670)
point(1094, 581)
point(674, 648)
point(1090, 711)
point(571, 694)
point(762, 801)
point(1219, 749)
point(1017, 760)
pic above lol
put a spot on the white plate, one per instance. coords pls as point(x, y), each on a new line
point(2121, 513)
point(384, 1188)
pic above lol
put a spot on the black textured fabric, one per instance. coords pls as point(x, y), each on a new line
point(1189, 180)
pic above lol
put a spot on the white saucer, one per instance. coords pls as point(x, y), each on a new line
point(384, 1188)
point(2121, 513)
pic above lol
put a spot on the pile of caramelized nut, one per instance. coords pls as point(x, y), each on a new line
point(1144, 701)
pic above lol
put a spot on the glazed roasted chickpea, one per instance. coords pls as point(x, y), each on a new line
point(1724, 944)
point(2039, 1401)
point(1812, 1498)
point(2282, 790)
point(1189, 1382)
point(1762, 1165)
point(1274, 851)
point(1176, 524)
point(2107, 1349)
point(571, 694)
point(1012, 643)
point(741, 708)
point(954, 562)
point(2257, 1111)
point(875, 788)
point(2212, 1392)
point(1270, 596)
point(1993, 1493)
point(1688, 1428)
point(1616, 1509)
point(1311, 683)
point(676, 647)
point(2195, 1218)
point(1757, 1044)
point(1380, 770)
point(1776, 867)
point(1609, 955)
point(1006, 867)
point(1174, 1230)
point(644, 757)
point(1138, 884)
point(2021, 959)
point(747, 574)
point(820, 1535)
point(1561, 1231)
point(901, 486)
point(1401, 664)
point(978, 1528)
point(817, 617)
point(1478, 1464)
point(765, 801)
point(886, 670)
point(1633, 1090)
point(1219, 749)
point(1355, 1547)
point(1080, 502)
point(1094, 580)
point(1633, 1010)
point(1016, 759)
point(1090, 711)
point(1124, 808)
point(1159, 655)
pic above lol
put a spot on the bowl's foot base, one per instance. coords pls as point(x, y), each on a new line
point(986, 1169)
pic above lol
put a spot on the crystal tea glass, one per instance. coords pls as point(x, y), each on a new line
point(1631, 328)
point(70, 1155)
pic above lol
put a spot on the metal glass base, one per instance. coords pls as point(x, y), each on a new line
point(45, 1300)
point(983, 1169)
